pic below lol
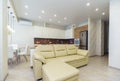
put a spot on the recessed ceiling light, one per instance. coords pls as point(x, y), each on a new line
point(65, 18)
point(50, 19)
point(26, 13)
point(43, 11)
point(103, 13)
point(55, 15)
point(88, 4)
point(26, 6)
point(59, 22)
point(96, 9)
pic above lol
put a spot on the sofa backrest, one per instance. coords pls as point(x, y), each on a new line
point(47, 51)
point(60, 50)
point(71, 49)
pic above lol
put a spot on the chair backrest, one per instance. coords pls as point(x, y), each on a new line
point(10, 52)
point(15, 46)
point(27, 50)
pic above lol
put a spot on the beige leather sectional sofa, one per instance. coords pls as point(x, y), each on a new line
point(62, 53)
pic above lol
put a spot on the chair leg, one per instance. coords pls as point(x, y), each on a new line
point(25, 57)
point(18, 58)
point(10, 61)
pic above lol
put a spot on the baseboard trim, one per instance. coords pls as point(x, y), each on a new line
point(114, 67)
point(96, 55)
point(92, 55)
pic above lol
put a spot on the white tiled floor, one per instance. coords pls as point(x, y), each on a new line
point(96, 70)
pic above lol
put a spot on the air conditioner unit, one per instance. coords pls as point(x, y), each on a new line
point(25, 22)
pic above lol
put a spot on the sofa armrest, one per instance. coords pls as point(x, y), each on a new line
point(38, 61)
point(82, 52)
point(37, 69)
point(39, 57)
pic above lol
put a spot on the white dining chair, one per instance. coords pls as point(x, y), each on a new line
point(24, 52)
point(10, 54)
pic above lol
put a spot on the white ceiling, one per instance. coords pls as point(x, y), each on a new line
point(76, 11)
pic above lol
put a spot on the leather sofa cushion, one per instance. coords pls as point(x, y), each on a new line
point(60, 50)
point(46, 51)
point(59, 71)
point(82, 52)
point(66, 58)
point(71, 49)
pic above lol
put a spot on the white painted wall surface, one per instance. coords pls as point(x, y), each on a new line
point(23, 35)
point(99, 37)
point(69, 33)
point(3, 40)
point(114, 34)
point(102, 37)
point(95, 37)
point(26, 34)
point(51, 32)
point(92, 37)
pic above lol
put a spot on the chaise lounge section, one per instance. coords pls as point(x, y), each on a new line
point(69, 54)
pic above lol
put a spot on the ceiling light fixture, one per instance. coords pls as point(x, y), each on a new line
point(26, 6)
point(43, 11)
point(103, 13)
point(65, 18)
point(96, 9)
point(26, 13)
point(88, 4)
point(55, 15)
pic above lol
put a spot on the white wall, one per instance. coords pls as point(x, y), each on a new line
point(49, 32)
point(95, 37)
point(3, 40)
point(69, 33)
point(23, 35)
point(26, 34)
point(99, 37)
point(92, 37)
point(114, 34)
point(0, 39)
